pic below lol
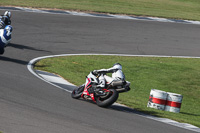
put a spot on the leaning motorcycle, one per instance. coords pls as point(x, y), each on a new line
point(5, 37)
point(103, 97)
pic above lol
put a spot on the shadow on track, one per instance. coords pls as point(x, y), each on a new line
point(19, 46)
point(2, 58)
point(125, 109)
point(131, 110)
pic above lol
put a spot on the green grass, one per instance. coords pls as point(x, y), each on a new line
point(178, 9)
point(175, 75)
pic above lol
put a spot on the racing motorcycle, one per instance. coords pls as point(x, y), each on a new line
point(102, 97)
point(5, 37)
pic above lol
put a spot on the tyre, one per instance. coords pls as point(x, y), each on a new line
point(76, 93)
point(109, 99)
point(1, 51)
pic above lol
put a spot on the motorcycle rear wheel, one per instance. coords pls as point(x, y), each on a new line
point(76, 93)
point(109, 99)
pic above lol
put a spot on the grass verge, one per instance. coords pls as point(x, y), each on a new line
point(177, 9)
point(177, 75)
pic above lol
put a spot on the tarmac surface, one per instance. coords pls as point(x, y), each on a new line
point(28, 104)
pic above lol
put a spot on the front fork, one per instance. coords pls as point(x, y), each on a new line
point(86, 94)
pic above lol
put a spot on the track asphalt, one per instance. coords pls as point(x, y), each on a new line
point(30, 105)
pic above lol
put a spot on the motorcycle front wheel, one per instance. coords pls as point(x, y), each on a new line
point(76, 93)
point(107, 100)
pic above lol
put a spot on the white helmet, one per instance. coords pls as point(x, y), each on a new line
point(8, 14)
point(117, 66)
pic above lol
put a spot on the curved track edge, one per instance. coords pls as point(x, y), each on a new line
point(60, 83)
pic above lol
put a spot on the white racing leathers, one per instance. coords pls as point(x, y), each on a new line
point(117, 74)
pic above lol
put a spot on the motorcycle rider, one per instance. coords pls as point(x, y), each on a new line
point(5, 30)
point(117, 75)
